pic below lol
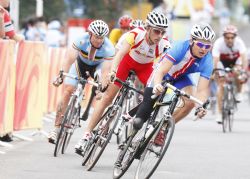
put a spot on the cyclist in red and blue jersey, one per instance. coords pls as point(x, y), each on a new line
point(184, 58)
point(93, 51)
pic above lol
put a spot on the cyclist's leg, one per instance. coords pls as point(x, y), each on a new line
point(62, 105)
point(109, 94)
point(186, 84)
point(143, 72)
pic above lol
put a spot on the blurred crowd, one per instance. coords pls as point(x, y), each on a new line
point(37, 29)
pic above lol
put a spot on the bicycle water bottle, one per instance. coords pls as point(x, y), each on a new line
point(149, 131)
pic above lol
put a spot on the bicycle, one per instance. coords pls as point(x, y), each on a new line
point(71, 118)
point(140, 144)
point(229, 102)
point(103, 132)
point(131, 100)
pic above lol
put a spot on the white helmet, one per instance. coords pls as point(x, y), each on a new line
point(157, 19)
point(99, 27)
point(203, 31)
point(137, 23)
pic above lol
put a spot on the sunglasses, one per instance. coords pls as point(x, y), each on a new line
point(158, 32)
point(202, 45)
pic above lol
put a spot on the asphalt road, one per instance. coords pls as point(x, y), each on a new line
point(199, 150)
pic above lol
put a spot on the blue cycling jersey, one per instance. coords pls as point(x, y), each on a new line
point(185, 63)
point(83, 45)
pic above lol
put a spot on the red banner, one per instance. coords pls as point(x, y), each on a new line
point(31, 85)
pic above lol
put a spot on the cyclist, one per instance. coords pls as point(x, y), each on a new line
point(138, 51)
point(229, 51)
point(184, 58)
point(124, 24)
point(93, 51)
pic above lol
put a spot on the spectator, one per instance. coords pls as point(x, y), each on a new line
point(6, 26)
point(55, 37)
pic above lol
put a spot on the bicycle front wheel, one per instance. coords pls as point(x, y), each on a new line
point(104, 136)
point(62, 136)
point(225, 110)
point(153, 154)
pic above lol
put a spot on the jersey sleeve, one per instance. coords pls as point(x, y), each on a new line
point(119, 43)
point(206, 68)
point(216, 49)
point(242, 46)
point(78, 43)
point(175, 53)
point(109, 50)
point(8, 26)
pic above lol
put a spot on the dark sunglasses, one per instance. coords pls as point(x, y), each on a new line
point(158, 32)
point(202, 45)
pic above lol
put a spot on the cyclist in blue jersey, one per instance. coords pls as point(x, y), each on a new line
point(93, 51)
point(184, 58)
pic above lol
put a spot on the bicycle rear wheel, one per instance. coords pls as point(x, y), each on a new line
point(62, 133)
point(153, 154)
point(104, 136)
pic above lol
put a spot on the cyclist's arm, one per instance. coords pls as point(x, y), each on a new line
point(70, 58)
point(243, 57)
point(202, 92)
point(120, 54)
point(163, 69)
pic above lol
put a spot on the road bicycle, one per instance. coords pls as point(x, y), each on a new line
point(102, 134)
point(71, 118)
point(140, 144)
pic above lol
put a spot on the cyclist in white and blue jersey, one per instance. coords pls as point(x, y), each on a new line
point(184, 58)
point(89, 54)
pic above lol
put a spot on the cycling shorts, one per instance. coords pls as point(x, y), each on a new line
point(142, 71)
point(79, 68)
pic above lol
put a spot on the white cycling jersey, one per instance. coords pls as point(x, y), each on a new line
point(228, 56)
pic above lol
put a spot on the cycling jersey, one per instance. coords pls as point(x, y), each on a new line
point(105, 52)
point(184, 64)
point(8, 26)
point(83, 63)
point(141, 51)
point(141, 55)
point(115, 35)
point(228, 56)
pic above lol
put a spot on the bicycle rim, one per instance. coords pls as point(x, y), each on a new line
point(231, 120)
point(152, 155)
point(62, 133)
point(128, 153)
point(103, 141)
point(73, 122)
point(87, 154)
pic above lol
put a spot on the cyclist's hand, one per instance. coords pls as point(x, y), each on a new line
point(200, 112)
point(112, 76)
point(158, 89)
point(58, 81)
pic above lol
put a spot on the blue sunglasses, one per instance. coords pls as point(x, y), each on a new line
point(201, 45)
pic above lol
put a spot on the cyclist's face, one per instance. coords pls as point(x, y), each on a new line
point(156, 34)
point(200, 48)
point(229, 39)
point(124, 30)
point(97, 41)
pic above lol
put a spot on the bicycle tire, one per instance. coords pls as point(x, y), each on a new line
point(147, 173)
point(119, 171)
point(225, 110)
point(95, 156)
point(61, 135)
point(72, 122)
